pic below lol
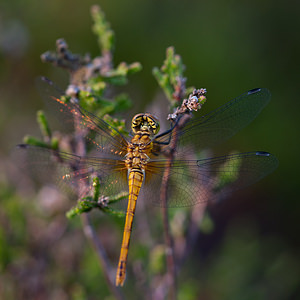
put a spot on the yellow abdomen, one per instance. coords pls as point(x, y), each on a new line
point(135, 180)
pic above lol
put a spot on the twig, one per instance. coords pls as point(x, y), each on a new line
point(192, 233)
point(171, 271)
point(80, 149)
point(182, 114)
point(99, 249)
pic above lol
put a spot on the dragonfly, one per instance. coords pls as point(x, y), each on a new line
point(137, 164)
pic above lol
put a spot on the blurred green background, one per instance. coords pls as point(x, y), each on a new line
point(228, 47)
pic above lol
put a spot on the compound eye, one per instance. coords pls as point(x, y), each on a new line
point(154, 124)
point(136, 122)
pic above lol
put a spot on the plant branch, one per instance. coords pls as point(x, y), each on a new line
point(170, 78)
point(99, 249)
point(171, 270)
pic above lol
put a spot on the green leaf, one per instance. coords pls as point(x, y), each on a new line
point(31, 140)
point(170, 75)
point(43, 123)
point(101, 27)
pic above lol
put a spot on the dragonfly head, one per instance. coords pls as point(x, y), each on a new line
point(145, 122)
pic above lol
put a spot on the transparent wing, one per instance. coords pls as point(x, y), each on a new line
point(72, 174)
point(221, 124)
point(98, 133)
point(189, 182)
point(199, 181)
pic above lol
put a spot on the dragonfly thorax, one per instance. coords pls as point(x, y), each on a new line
point(139, 151)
